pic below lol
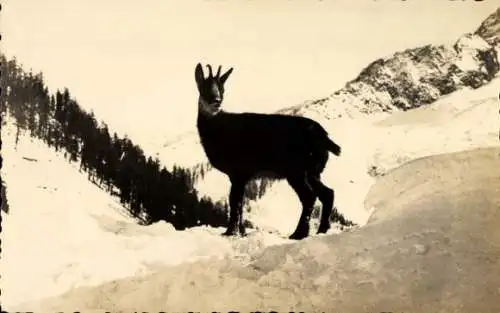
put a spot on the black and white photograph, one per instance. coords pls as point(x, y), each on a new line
point(250, 156)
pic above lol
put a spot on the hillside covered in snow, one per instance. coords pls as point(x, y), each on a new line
point(432, 246)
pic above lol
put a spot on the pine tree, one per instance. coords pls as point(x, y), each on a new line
point(143, 185)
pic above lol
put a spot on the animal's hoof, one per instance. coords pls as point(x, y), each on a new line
point(323, 229)
point(230, 232)
point(243, 232)
point(298, 235)
point(234, 232)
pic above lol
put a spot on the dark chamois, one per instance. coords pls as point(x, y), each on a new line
point(250, 145)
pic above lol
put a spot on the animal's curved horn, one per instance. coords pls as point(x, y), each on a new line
point(210, 75)
point(218, 71)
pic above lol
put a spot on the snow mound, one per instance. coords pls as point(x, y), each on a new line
point(431, 241)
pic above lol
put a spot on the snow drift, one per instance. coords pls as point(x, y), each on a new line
point(432, 245)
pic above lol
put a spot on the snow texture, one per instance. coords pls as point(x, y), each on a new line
point(432, 245)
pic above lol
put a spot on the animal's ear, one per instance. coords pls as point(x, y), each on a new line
point(224, 76)
point(198, 74)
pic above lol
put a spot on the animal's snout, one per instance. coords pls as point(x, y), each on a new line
point(217, 102)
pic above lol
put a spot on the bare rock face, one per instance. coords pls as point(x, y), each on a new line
point(432, 245)
point(417, 77)
point(489, 29)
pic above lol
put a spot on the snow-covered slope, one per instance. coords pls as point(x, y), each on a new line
point(432, 245)
point(62, 231)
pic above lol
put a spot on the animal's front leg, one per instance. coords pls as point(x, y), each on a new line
point(240, 221)
point(307, 198)
point(236, 208)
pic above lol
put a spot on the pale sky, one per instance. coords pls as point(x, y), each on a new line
point(133, 61)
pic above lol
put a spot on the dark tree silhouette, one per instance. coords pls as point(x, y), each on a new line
point(146, 188)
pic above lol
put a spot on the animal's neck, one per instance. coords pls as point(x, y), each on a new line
point(207, 122)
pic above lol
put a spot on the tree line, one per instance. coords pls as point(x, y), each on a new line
point(147, 189)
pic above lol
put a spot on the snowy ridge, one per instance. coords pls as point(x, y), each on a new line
point(411, 78)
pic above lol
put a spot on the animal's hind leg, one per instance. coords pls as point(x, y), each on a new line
point(307, 198)
point(236, 208)
point(327, 198)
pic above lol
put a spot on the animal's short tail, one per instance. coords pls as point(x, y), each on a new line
point(333, 147)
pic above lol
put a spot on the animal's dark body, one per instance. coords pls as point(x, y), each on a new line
point(249, 145)
point(259, 145)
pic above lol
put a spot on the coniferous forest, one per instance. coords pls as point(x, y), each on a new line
point(148, 190)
